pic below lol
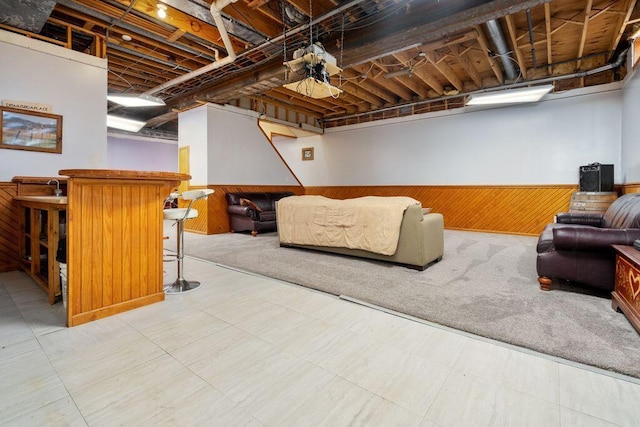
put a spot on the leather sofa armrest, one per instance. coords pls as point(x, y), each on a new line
point(592, 238)
point(247, 211)
point(592, 219)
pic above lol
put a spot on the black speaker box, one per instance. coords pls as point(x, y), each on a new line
point(596, 177)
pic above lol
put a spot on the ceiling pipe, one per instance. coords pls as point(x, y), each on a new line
point(215, 9)
point(220, 25)
point(502, 51)
point(531, 39)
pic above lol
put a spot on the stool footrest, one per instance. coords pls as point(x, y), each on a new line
point(181, 286)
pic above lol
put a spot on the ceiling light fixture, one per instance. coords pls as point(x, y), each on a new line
point(510, 96)
point(135, 100)
point(162, 11)
point(309, 72)
point(124, 124)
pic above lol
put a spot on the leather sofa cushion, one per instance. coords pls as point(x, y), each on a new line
point(267, 216)
point(623, 213)
point(545, 241)
point(265, 201)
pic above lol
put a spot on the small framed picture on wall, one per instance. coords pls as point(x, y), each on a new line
point(307, 153)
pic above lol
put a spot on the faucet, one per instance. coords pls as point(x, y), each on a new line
point(58, 191)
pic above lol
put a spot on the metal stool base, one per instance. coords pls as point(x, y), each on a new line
point(181, 286)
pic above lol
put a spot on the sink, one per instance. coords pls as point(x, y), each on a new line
point(58, 200)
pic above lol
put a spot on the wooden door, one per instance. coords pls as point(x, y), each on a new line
point(183, 166)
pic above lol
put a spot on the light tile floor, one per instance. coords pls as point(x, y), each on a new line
point(248, 350)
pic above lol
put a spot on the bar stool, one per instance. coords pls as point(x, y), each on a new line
point(179, 215)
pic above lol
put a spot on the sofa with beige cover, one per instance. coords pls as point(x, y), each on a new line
point(420, 239)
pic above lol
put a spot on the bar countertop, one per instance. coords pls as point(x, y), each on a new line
point(124, 174)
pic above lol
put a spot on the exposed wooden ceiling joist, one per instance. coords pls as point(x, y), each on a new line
point(394, 53)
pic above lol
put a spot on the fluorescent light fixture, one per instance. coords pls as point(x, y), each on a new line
point(510, 96)
point(135, 100)
point(124, 124)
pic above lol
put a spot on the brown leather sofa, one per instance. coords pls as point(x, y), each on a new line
point(577, 247)
point(255, 212)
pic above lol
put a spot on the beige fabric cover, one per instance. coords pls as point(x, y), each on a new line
point(369, 223)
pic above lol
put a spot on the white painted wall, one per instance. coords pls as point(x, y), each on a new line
point(543, 143)
point(75, 84)
point(192, 132)
point(228, 147)
point(631, 129)
point(130, 152)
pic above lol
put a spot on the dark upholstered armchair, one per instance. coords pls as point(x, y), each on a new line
point(253, 212)
point(578, 248)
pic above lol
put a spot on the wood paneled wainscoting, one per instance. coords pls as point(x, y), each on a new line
point(212, 213)
point(630, 188)
point(9, 254)
point(513, 209)
point(9, 213)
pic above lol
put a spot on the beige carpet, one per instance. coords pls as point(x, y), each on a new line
point(486, 285)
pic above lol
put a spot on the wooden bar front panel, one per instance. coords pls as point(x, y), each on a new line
point(114, 234)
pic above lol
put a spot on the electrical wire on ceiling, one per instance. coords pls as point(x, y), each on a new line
point(106, 40)
point(331, 22)
point(125, 13)
point(121, 78)
point(381, 18)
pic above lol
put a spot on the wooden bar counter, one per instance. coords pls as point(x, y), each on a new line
point(114, 240)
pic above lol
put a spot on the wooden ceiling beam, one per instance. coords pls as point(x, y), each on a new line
point(622, 26)
point(585, 29)
point(241, 12)
point(547, 21)
point(269, 99)
point(182, 21)
point(421, 73)
point(445, 70)
point(138, 57)
point(136, 61)
point(160, 120)
point(361, 94)
point(105, 19)
point(153, 54)
point(413, 85)
point(511, 26)
point(353, 103)
point(451, 40)
point(457, 52)
point(176, 35)
point(389, 84)
point(484, 47)
point(371, 86)
point(367, 45)
point(273, 72)
point(119, 68)
point(319, 104)
point(121, 65)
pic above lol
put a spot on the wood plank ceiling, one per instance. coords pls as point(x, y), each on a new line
point(399, 57)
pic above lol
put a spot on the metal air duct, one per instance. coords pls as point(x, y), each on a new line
point(502, 50)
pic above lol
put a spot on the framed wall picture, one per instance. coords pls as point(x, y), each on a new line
point(307, 153)
point(30, 130)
